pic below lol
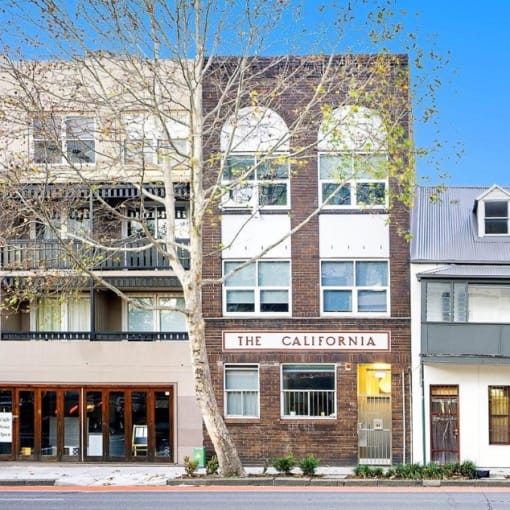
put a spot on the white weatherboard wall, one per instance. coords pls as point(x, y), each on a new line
point(354, 235)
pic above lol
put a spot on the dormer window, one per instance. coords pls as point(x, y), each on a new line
point(491, 209)
point(496, 217)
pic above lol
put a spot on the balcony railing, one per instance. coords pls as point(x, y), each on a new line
point(99, 336)
point(18, 255)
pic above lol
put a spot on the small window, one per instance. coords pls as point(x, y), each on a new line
point(260, 287)
point(496, 217)
point(352, 179)
point(250, 181)
point(242, 391)
point(499, 419)
point(354, 286)
point(308, 390)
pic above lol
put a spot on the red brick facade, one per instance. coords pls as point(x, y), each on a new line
point(333, 440)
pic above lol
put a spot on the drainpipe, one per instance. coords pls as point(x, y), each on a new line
point(422, 384)
point(404, 418)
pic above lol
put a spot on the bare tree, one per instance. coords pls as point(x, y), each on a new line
point(157, 110)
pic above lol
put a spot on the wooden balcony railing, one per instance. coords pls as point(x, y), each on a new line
point(98, 336)
point(18, 255)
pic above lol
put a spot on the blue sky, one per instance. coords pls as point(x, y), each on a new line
point(472, 101)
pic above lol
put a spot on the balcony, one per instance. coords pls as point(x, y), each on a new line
point(19, 255)
point(461, 342)
point(99, 336)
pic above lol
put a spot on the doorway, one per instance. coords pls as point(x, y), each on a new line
point(444, 426)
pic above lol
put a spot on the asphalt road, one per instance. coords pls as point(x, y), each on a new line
point(255, 499)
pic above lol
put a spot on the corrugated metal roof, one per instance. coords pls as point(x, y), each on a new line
point(445, 230)
point(468, 271)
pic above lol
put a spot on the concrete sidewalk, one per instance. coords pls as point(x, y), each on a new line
point(66, 474)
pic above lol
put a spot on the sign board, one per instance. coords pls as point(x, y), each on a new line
point(362, 341)
point(5, 427)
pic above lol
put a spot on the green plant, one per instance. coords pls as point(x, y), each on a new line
point(190, 465)
point(468, 469)
point(408, 471)
point(433, 471)
point(364, 471)
point(284, 464)
point(212, 466)
point(309, 464)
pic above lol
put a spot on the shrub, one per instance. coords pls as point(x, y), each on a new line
point(468, 469)
point(190, 465)
point(433, 471)
point(284, 464)
point(408, 471)
point(364, 471)
point(309, 464)
point(212, 466)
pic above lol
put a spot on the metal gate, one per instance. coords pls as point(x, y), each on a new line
point(444, 427)
point(374, 415)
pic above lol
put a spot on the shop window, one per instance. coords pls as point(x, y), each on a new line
point(354, 286)
point(253, 181)
point(308, 390)
point(64, 139)
point(260, 287)
point(353, 179)
point(151, 314)
point(242, 391)
point(499, 419)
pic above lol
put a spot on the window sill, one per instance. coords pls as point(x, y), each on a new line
point(241, 419)
point(308, 419)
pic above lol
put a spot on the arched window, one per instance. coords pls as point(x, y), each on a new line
point(255, 145)
point(352, 158)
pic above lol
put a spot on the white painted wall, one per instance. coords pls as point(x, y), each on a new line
point(354, 235)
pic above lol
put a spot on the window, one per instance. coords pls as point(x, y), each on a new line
point(146, 140)
point(496, 217)
point(52, 314)
point(308, 390)
point(76, 221)
point(61, 139)
point(499, 422)
point(242, 391)
point(467, 302)
point(151, 317)
point(255, 182)
point(354, 286)
point(352, 179)
point(260, 287)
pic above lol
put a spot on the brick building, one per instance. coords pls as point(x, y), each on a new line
point(309, 345)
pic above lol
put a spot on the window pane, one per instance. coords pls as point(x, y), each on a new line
point(337, 274)
point(141, 320)
point(240, 301)
point(488, 303)
point(341, 196)
point(498, 415)
point(79, 315)
point(273, 194)
point(172, 320)
point(243, 278)
point(273, 274)
point(274, 301)
point(47, 151)
point(138, 151)
point(438, 301)
point(273, 169)
point(496, 226)
point(460, 302)
point(371, 166)
point(335, 167)
point(241, 379)
point(372, 301)
point(371, 193)
point(237, 167)
point(371, 274)
point(79, 151)
point(337, 301)
point(496, 209)
point(49, 315)
point(234, 403)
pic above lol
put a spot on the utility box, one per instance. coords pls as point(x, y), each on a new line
point(199, 456)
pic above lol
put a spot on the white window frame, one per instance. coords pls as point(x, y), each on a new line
point(257, 289)
point(353, 179)
point(62, 139)
point(245, 190)
point(240, 367)
point(355, 289)
point(156, 313)
point(293, 405)
point(148, 137)
point(502, 219)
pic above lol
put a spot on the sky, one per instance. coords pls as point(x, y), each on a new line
point(472, 102)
